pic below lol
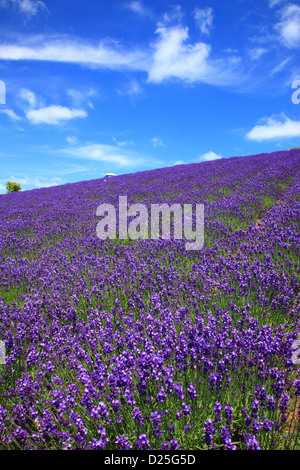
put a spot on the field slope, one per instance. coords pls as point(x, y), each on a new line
point(141, 344)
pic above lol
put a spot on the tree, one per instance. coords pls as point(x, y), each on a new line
point(12, 187)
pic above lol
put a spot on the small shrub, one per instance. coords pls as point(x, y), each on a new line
point(12, 187)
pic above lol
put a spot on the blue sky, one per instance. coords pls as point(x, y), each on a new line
point(90, 87)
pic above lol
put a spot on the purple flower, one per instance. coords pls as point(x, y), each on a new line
point(179, 391)
point(123, 442)
point(209, 431)
point(116, 406)
point(218, 410)
point(267, 425)
point(98, 444)
point(192, 392)
point(161, 396)
point(271, 403)
point(165, 445)
point(255, 407)
point(213, 379)
point(137, 416)
point(252, 443)
point(174, 444)
point(155, 417)
point(129, 397)
point(142, 442)
point(100, 411)
point(186, 409)
point(256, 426)
point(187, 428)
point(228, 413)
point(171, 428)
point(297, 387)
point(20, 435)
point(225, 435)
point(67, 446)
point(284, 403)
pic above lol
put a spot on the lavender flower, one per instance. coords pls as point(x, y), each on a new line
point(209, 431)
point(252, 443)
point(218, 410)
point(142, 442)
point(225, 435)
point(137, 416)
point(123, 442)
point(155, 417)
point(192, 392)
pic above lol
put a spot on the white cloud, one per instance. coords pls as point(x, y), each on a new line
point(63, 49)
point(157, 142)
point(257, 52)
point(273, 3)
point(170, 56)
point(133, 88)
point(29, 96)
point(11, 114)
point(20, 180)
point(189, 62)
point(289, 26)
point(36, 181)
point(179, 162)
point(80, 97)
point(28, 7)
point(138, 7)
point(122, 143)
point(209, 156)
point(280, 66)
point(104, 153)
point(274, 127)
point(71, 139)
point(204, 19)
point(41, 182)
point(173, 58)
point(38, 113)
point(173, 16)
point(54, 114)
point(31, 7)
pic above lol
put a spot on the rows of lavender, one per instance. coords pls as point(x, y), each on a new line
point(140, 344)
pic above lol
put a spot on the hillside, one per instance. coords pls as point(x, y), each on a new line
point(139, 344)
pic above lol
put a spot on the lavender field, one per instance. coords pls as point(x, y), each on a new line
point(140, 344)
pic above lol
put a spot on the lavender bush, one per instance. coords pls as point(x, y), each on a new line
point(140, 344)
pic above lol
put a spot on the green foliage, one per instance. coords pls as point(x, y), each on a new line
point(12, 187)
